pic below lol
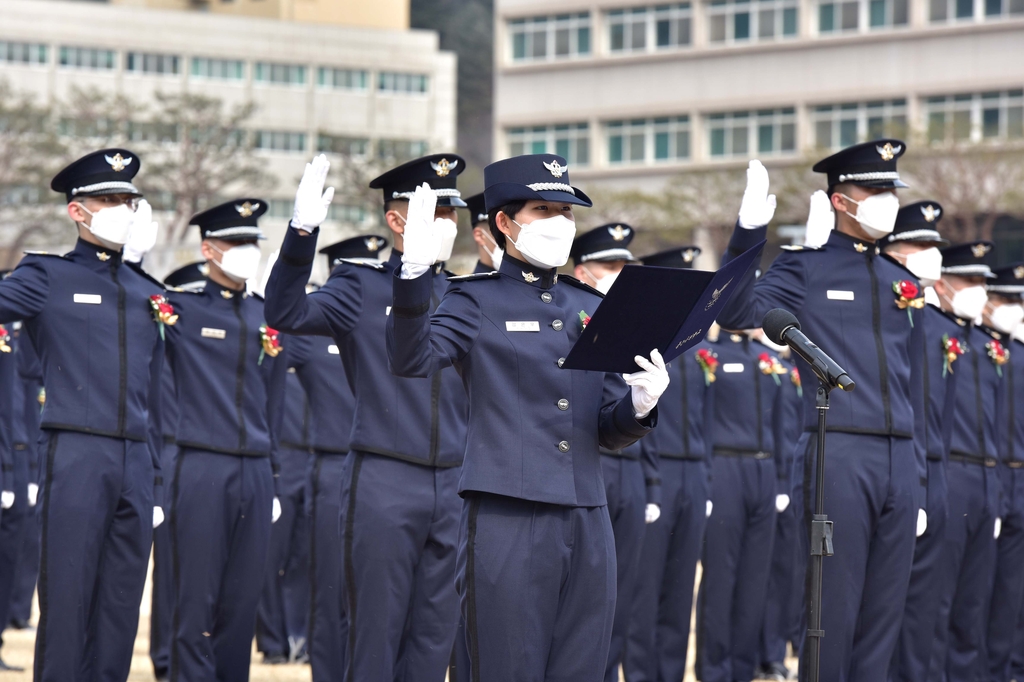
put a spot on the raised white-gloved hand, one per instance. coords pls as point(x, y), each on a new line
point(757, 207)
point(422, 241)
point(820, 220)
point(922, 522)
point(275, 511)
point(998, 528)
point(707, 509)
point(33, 494)
point(652, 513)
point(781, 503)
point(6, 499)
point(158, 517)
point(142, 234)
point(648, 385)
point(311, 200)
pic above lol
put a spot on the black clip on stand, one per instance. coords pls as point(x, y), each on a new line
point(821, 545)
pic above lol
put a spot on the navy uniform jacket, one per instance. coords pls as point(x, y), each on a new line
point(29, 402)
point(939, 382)
point(979, 399)
point(1012, 422)
point(842, 293)
point(684, 410)
point(229, 402)
point(788, 423)
point(747, 401)
point(89, 317)
point(317, 362)
point(168, 403)
point(534, 429)
point(416, 420)
point(295, 420)
point(9, 396)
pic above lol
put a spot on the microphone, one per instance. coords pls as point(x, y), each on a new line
point(782, 328)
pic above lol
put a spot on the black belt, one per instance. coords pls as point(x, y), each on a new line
point(966, 458)
point(732, 452)
point(685, 458)
point(168, 440)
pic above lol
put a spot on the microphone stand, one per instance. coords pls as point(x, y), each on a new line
point(821, 544)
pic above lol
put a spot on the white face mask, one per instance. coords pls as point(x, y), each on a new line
point(448, 231)
point(926, 265)
point(1007, 317)
point(876, 214)
point(969, 302)
point(239, 262)
point(603, 284)
point(495, 254)
point(1018, 333)
point(546, 243)
point(111, 225)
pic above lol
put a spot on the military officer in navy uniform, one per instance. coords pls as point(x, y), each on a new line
point(14, 473)
point(488, 252)
point(659, 631)
point(101, 465)
point(914, 244)
point(1017, 654)
point(969, 550)
point(536, 567)
point(842, 293)
point(1003, 314)
point(408, 435)
point(231, 388)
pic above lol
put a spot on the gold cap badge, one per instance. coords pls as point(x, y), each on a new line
point(979, 250)
point(618, 232)
point(373, 244)
point(930, 213)
point(118, 162)
point(246, 209)
point(444, 167)
point(1018, 272)
point(888, 152)
point(688, 255)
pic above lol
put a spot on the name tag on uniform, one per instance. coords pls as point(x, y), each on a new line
point(732, 367)
point(333, 350)
point(211, 333)
point(522, 326)
point(838, 295)
point(387, 311)
point(94, 299)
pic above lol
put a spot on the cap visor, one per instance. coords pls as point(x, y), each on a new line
point(579, 198)
point(452, 201)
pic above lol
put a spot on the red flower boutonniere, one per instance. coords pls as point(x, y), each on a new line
point(5, 336)
point(1000, 356)
point(770, 366)
point(708, 362)
point(953, 349)
point(163, 312)
point(794, 376)
point(271, 340)
point(584, 320)
point(909, 297)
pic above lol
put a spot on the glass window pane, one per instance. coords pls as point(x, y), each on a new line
point(878, 13)
point(717, 28)
point(964, 9)
point(789, 21)
point(826, 17)
point(900, 12)
point(540, 44)
point(823, 134)
point(847, 133)
point(939, 10)
point(683, 145)
point(990, 123)
point(898, 127)
point(936, 126)
point(617, 37)
point(639, 39)
point(516, 149)
point(961, 125)
point(717, 142)
point(562, 42)
point(683, 30)
point(538, 147)
point(766, 23)
point(1015, 122)
point(636, 147)
point(788, 135)
point(562, 148)
point(583, 41)
point(993, 7)
point(876, 127)
point(850, 16)
point(661, 146)
point(741, 26)
point(663, 29)
point(740, 138)
point(1016, 7)
point(519, 46)
point(765, 138)
point(615, 148)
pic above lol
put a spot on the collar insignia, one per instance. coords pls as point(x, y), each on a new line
point(118, 162)
point(618, 232)
point(530, 277)
point(373, 244)
point(1018, 272)
point(735, 338)
point(444, 167)
point(688, 255)
point(888, 152)
point(930, 213)
point(555, 169)
point(103, 256)
point(979, 250)
point(226, 294)
point(860, 247)
point(246, 209)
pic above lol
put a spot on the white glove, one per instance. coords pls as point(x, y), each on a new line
point(781, 503)
point(757, 207)
point(922, 522)
point(422, 240)
point(33, 494)
point(6, 499)
point(142, 234)
point(652, 513)
point(998, 528)
point(820, 220)
point(275, 512)
point(158, 517)
point(707, 509)
point(311, 200)
point(648, 385)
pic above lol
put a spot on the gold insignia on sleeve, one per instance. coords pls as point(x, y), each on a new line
point(444, 167)
point(618, 232)
point(530, 277)
point(979, 250)
point(860, 247)
point(930, 213)
point(556, 169)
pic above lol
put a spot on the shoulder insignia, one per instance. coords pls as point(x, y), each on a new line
point(379, 267)
point(569, 279)
point(799, 247)
point(43, 253)
point(472, 277)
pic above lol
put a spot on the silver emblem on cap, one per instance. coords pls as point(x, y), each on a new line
point(118, 162)
point(555, 169)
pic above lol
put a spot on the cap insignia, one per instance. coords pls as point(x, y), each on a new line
point(618, 232)
point(103, 256)
point(688, 255)
point(373, 244)
point(556, 169)
point(118, 162)
point(530, 277)
point(444, 167)
point(226, 294)
point(888, 152)
point(930, 213)
point(860, 247)
point(1018, 272)
point(246, 209)
point(979, 250)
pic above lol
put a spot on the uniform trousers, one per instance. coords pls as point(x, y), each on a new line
point(626, 491)
point(400, 528)
point(220, 531)
point(283, 614)
point(13, 524)
point(537, 584)
point(1017, 657)
point(161, 618)
point(969, 555)
point(911, 661)
point(28, 566)
point(871, 491)
point(328, 631)
point(659, 632)
point(97, 530)
point(784, 603)
point(1008, 582)
point(737, 558)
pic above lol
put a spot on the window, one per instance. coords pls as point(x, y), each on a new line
point(743, 133)
point(87, 58)
point(975, 117)
point(152, 63)
point(846, 15)
point(646, 29)
point(569, 140)
point(88, 127)
point(738, 21)
point(342, 79)
point(657, 140)
point(549, 38)
point(338, 144)
point(281, 74)
point(22, 53)
point(943, 11)
point(280, 141)
point(401, 82)
point(152, 132)
point(400, 150)
point(343, 213)
point(837, 126)
point(220, 69)
point(997, 9)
